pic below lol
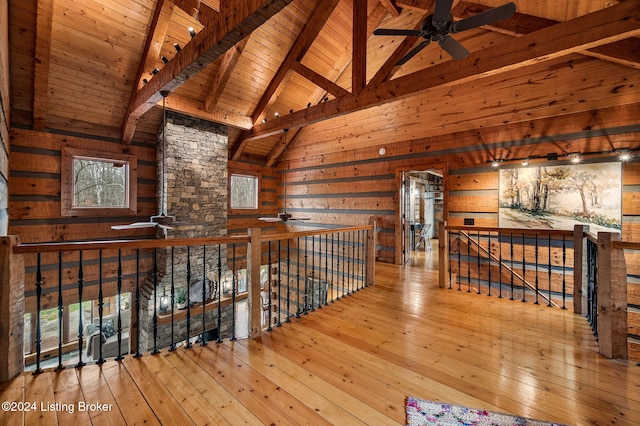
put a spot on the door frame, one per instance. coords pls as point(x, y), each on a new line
point(400, 231)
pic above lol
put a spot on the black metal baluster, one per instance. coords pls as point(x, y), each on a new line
point(38, 370)
point(80, 363)
point(549, 301)
point(297, 277)
point(468, 262)
point(340, 274)
point(60, 313)
point(326, 268)
point(313, 271)
point(268, 290)
point(119, 284)
point(188, 344)
point(100, 308)
point(203, 342)
point(278, 320)
point(172, 346)
point(500, 266)
point(155, 302)
point(512, 270)
point(360, 258)
point(536, 270)
point(478, 266)
point(334, 291)
point(524, 276)
point(564, 271)
point(489, 258)
point(288, 281)
point(459, 260)
point(138, 353)
point(352, 263)
point(234, 286)
point(305, 297)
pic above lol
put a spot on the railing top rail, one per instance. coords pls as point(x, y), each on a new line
point(126, 244)
point(626, 245)
point(524, 231)
point(173, 242)
point(289, 235)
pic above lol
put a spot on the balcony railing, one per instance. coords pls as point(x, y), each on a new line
point(242, 284)
point(568, 269)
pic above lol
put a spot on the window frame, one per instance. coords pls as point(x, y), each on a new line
point(69, 155)
point(257, 190)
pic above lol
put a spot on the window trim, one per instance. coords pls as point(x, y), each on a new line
point(246, 175)
point(67, 157)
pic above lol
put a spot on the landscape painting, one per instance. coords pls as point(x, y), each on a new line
point(558, 197)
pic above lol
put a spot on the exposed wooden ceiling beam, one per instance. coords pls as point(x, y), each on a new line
point(236, 20)
point(328, 85)
point(306, 37)
point(420, 5)
point(624, 52)
point(359, 47)
point(196, 109)
point(44, 22)
point(219, 80)
point(598, 28)
point(391, 8)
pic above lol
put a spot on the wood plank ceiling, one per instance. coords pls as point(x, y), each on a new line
point(86, 66)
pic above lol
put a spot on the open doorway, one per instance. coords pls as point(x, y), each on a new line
point(421, 210)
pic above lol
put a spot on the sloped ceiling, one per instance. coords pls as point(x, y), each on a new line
point(85, 66)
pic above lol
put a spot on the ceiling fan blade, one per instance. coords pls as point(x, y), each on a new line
point(413, 52)
point(487, 17)
point(441, 13)
point(453, 48)
point(135, 225)
point(270, 219)
point(396, 32)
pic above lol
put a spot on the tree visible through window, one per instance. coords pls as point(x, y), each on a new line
point(244, 192)
point(99, 183)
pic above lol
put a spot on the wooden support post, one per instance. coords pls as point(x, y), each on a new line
point(371, 253)
point(254, 258)
point(579, 266)
point(612, 297)
point(443, 254)
point(11, 309)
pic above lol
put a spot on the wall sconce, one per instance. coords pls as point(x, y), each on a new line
point(164, 301)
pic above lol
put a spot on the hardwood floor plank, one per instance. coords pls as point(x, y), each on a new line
point(95, 390)
point(196, 406)
point(39, 389)
point(13, 391)
point(68, 393)
point(130, 400)
point(219, 397)
point(158, 397)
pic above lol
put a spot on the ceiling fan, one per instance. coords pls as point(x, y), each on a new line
point(440, 24)
point(161, 220)
point(283, 216)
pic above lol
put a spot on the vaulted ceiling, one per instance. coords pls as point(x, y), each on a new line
point(312, 66)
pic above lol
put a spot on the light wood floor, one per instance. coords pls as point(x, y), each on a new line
point(355, 362)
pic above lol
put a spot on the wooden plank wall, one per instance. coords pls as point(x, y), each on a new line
point(35, 213)
point(4, 116)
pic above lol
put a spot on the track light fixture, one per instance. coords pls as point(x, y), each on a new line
point(177, 47)
point(164, 59)
point(155, 71)
point(192, 32)
point(145, 81)
point(276, 114)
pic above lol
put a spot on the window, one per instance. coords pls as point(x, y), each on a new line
point(97, 183)
point(244, 192)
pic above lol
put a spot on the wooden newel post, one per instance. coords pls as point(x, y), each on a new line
point(612, 297)
point(11, 309)
point(443, 254)
point(371, 253)
point(579, 266)
point(254, 259)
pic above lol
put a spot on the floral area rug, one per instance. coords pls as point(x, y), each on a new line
point(422, 412)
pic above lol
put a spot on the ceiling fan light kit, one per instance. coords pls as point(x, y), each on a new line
point(440, 24)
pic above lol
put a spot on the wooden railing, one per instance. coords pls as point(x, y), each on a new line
point(274, 276)
point(569, 269)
